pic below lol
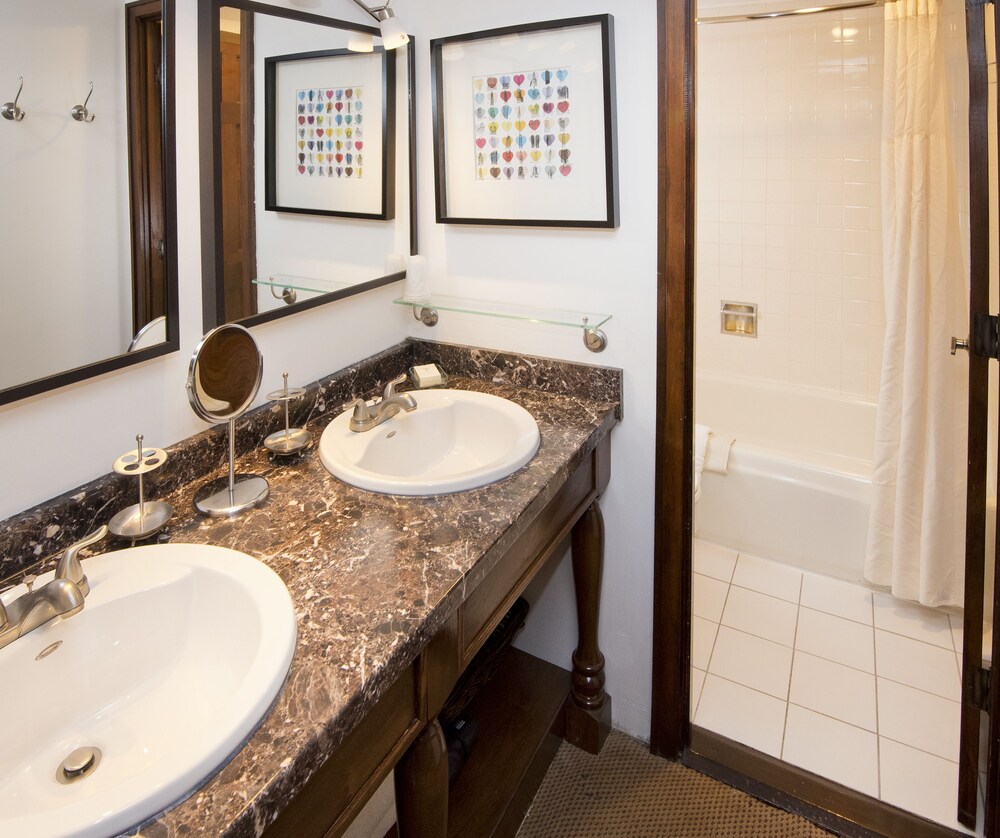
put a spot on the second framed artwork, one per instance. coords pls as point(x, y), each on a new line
point(329, 129)
point(525, 128)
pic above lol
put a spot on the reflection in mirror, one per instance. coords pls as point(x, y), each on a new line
point(223, 378)
point(86, 213)
point(311, 193)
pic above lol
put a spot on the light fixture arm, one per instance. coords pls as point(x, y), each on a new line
point(380, 13)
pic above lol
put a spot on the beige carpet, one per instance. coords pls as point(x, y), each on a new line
point(626, 791)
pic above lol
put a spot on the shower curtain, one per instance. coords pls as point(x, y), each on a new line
point(916, 533)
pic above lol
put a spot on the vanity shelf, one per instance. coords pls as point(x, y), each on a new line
point(285, 286)
point(590, 322)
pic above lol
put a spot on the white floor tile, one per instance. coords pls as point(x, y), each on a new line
point(762, 615)
point(834, 690)
point(708, 597)
point(697, 682)
point(833, 596)
point(832, 749)
point(742, 714)
point(911, 620)
point(767, 577)
point(836, 639)
point(917, 664)
point(714, 560)
point(752, 661)
point(702, 640)
point(918, 782)
point(919, 719)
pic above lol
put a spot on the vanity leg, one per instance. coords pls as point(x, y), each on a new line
point(588, 710)
point(421, 780)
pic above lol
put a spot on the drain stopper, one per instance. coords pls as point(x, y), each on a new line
point(78, 764)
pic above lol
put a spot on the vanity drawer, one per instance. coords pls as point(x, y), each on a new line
point(338, 791)
point(485, 606)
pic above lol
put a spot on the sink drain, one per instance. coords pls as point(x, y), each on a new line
point(79, 764)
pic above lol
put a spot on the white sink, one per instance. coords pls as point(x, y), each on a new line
point(454, 440)
point(176, 657)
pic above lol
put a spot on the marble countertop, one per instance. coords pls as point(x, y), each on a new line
point(372, 578)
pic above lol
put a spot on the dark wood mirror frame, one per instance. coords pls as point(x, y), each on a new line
point(169, 226)
point(210, 129)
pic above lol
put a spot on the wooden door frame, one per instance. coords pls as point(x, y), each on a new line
point(671, 732)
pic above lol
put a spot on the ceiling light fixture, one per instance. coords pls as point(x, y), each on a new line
point(393, 33)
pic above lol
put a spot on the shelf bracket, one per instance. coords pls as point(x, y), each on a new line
point(427, 316)
point(595, 340)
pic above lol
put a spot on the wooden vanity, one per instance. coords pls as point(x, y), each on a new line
point(393, 598)
point(402, 730)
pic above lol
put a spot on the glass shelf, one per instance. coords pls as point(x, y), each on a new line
point(510, 311)
point(302, 283)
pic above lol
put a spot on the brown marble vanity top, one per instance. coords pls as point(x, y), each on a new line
point(372, 578)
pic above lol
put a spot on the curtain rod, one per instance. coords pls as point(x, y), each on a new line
point(812, 10)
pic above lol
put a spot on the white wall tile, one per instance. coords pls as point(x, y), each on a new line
point(796, 163)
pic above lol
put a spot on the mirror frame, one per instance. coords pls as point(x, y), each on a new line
point(209, 92)
point(172, 343)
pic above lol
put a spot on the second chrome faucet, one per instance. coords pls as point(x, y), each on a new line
point(366, 416)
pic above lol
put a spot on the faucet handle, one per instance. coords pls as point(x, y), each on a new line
point(3, 616)
point(361, 410)
point(390, 388)
point(69, 565)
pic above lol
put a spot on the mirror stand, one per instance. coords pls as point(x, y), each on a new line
point(223, 379)
point(229, 496)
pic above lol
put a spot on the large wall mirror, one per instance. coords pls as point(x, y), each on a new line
point(308, 185)
point(87, 220)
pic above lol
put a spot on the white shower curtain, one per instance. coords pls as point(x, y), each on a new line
point(916, 533)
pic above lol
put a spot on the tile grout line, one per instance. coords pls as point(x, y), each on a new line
point(715, 638)
point(791, 667)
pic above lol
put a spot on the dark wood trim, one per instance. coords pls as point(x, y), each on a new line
point(172, 343)
point(991, 817)
point(976, 480)
point(144, 94)
point(669, 724)
point(611, 219)
point(824, 802)
point(411, 111)
point(388, 167)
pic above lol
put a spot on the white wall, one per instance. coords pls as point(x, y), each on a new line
point(600, 270)
point(66, 260)
point(613, 271)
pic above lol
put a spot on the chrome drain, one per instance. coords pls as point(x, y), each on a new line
point(48, 650)
point(80, 764)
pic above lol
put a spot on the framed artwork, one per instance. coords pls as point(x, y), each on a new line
point(525, 129)
point(328, 133)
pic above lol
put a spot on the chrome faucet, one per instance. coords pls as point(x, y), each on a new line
point(62, 596)
point(366, 417)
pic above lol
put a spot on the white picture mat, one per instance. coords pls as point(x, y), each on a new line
point(583, 195)
point(361, 195)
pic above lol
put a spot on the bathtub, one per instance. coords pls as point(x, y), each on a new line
point(798, 489)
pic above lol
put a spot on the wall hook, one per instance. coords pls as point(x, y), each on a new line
point(80, 112)
point(10, 110)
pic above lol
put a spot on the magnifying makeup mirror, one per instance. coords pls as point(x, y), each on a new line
point(223, 378)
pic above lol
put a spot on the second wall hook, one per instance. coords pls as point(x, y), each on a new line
point(10, 110)
point(80, 112)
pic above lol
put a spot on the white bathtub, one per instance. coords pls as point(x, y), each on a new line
point(799, 483)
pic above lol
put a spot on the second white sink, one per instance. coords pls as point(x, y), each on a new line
point(454, 440)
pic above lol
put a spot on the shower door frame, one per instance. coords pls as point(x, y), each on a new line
point(672, 734)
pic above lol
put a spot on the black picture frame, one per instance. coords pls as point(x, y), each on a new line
point(602, 187)
point(273, 202)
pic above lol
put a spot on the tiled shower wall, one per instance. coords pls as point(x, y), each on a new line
point(788, 122)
